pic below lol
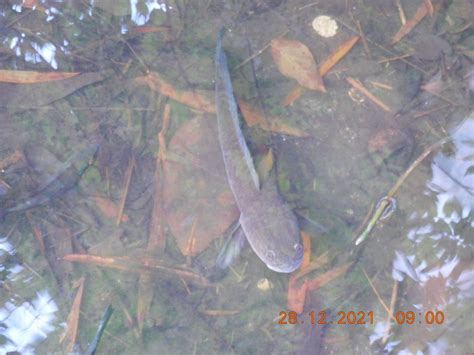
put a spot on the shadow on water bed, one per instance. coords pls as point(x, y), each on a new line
point(338, 108)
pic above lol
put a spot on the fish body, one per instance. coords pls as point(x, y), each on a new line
point(270, 226)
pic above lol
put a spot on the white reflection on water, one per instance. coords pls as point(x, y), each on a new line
point(13, 270)
point(443, 279)
point(453, 178)
point(141, 18)
point(25, 325)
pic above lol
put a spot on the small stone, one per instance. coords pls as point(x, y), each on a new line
point(325, 26)
point(264, 284)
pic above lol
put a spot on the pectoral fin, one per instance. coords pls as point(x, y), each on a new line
point(231, 249)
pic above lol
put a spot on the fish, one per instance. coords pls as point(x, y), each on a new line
point(64, 179)
point(269, 225)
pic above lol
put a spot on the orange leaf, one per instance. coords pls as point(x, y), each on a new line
point(220, 312)
point(40, 239)
point(32, 77)
point(295, 61)
point(429, 6)
point(307, 250)
point(264, 166)
point(358, 85)
point(127, 178)
point(253, 117)
point(108, 208)
point(420, 13)
point(293, 95)
point(37, 233)
point(328, 276)
point(151, 29)
point(145, 298)
point(192, 99)
point(337, 55)
point(73, 318)
point(142, 264)
point(29, 4)
point(11, 159)
point(317, 263)
point(296, 295)
point(281, 127)
point(112, 262)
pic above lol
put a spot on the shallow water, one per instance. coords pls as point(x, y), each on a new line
point(162, 223)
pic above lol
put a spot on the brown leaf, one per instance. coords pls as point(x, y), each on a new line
point(151, 29)
point(195, 100)
point(29, 4)
point(145, 298)
point(21, 97)
point(162, 134)
point(73, 318)
point(112, 262)
point(194, 188)
point(327, 277)
point(251, 115)
point(295, 61)
point(307, 250)
point(325, 67)
point(337, 55)
point(293, 95)
point(142, 264)
point(11, 159)
point(296, 295)
point(108, 208)
point(264, 167)
point(316, 264)
point(31, 77)
point(358, 85)
point(37, 233)
point(127, 178)
point(255, 117)
point(220, 312)
point(156, 233)
point(420, 13)
point(429, 7)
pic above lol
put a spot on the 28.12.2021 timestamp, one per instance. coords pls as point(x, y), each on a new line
point(360, 317)
point(323, 317)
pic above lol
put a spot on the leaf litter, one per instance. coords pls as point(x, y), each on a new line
point(193, 191)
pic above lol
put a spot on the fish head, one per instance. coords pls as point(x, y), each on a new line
point(275, 238)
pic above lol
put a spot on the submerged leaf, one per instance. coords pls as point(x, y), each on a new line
point(294, 60)
point(420, 13)
point(264, 167)
point(255, 117)
point(193, 99)
point(109, 208)
point(73, 318)
point(143, 264)
point(296, 294)
point(337, 55)
point(307, 250)
point(31, 77)
point(23, 97)
point(328, 276)
point(194, 188)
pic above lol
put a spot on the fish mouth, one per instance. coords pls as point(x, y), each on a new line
point(287, 267)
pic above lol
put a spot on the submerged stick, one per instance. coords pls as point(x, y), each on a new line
point(387, 200)
point(100, 330)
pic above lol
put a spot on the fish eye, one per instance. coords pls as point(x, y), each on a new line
point(270, 254)
point(298, 248)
